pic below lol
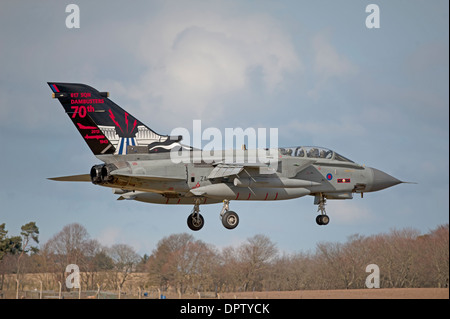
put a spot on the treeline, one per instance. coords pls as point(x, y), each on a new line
point(405, 259)
point(184, 264)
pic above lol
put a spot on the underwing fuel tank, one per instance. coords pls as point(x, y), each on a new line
point(156, 198)
point(272, 182)
point(225, 191)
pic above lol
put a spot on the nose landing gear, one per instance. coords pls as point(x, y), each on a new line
point(323, 218)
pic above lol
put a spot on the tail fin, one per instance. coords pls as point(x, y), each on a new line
point(105, 126)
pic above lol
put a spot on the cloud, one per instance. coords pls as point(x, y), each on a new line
point(328, 64)
point(113, 235)
point(329, 130)
point(110, 236)
point(349, 213)
point(192, 60)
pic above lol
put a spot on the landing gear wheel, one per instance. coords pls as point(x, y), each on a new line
point(322, 220)
point(195, 222)
point(230, 220)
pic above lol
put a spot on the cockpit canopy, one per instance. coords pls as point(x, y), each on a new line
point(312, 152)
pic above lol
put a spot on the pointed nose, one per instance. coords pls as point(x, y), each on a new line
point(381, 180)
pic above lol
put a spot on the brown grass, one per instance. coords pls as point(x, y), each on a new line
point(30, 282)
point(388, 293)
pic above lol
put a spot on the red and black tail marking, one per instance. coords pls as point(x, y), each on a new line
point(104, 126)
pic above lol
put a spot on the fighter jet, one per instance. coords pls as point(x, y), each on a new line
point(137, 165)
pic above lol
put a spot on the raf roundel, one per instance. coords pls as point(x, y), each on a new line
point(329, 177)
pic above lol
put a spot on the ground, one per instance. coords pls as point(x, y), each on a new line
point(390, 293)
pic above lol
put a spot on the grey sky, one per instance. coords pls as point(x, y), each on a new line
point(309, 68)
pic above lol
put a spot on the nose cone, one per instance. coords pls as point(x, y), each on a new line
point(381, 180)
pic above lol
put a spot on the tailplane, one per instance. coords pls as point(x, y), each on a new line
point(105, 126)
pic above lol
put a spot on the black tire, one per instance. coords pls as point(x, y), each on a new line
point(322, 220)
point(195, 223)
point(230, 220)
point(319, 220)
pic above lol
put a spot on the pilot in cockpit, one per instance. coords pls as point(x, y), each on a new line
point(299, 152)
point(314, 153)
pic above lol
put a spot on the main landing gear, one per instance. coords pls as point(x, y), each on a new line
point(230, 219)
point(195, 220)
point(323, 218)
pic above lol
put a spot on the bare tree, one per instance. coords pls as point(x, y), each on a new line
point(124, 260)
point(182, 262)
point(162, 264)
point(255, 256)
point(398, 257)
point(94, 261)
point(228, 274)
point(292, 272)
point(69, 243)
point(434, 260)
point(68, 247)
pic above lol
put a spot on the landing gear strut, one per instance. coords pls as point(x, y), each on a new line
point(230, 219)
point(195, 220)
point(323, 218)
